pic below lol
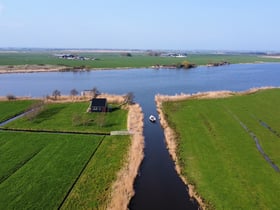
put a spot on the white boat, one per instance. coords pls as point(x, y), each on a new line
point(152, 118)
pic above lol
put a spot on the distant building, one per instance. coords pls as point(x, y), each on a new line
point(98, 105)
point(87, 93)
point(175, 55)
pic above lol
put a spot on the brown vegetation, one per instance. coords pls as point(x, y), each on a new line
point(31, 68)
point(122, 190)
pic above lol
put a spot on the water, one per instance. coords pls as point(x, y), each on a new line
point(157, 186)
point(144, 83)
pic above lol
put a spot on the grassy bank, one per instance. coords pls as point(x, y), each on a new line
point(220, 158)
point(118, 60)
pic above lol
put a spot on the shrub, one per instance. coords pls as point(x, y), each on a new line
point(11, 97)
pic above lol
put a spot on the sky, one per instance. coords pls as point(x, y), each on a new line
point(250, 25)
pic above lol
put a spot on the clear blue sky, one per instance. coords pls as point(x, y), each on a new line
point(145, 24)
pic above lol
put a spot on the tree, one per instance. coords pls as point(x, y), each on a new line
point(11, 97)
point(95, 92)
point(74, 93)
point(129, 98)
point(56, 93)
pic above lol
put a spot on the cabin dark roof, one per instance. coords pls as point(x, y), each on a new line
point(98, 102)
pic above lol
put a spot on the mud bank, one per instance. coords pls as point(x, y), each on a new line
point(171, 137)
point(122, 189)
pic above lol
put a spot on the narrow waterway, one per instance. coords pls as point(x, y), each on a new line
point(158, 185)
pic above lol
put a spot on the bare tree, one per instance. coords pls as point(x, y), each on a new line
point(56, 93)
point(129, 98)
point(95, 92)
point(74, 93)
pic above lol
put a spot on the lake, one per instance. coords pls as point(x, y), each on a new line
point(157, 185)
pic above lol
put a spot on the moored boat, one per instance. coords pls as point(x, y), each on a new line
point(152, 118)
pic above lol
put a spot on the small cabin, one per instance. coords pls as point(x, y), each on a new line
point(98, 105)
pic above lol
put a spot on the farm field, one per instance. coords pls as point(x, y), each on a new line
point(217, 150)
point(117, 60)
point(39, 170)
point(72, 117)
point(53, 170)
point(10, 109)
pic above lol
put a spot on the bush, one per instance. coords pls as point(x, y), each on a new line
point(11, 97)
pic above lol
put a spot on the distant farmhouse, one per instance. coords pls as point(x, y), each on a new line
point(73, 57)
point(98, 105)
point(175, 55)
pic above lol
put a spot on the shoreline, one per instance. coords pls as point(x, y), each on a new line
point(7, 69)
point(123, 187)
point(171, 136)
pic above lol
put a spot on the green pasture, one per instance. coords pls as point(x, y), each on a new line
point(37, 170)
point(40, 171)
point(72, 117)
point(220, 158)
point(46, 170)
point(89, 191)
point(117, 60)
point(12, 108)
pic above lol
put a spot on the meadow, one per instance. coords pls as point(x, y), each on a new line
point(220, 158)
point(72, 117)
point(54, 170)
point(10, 109)
point(118, 60)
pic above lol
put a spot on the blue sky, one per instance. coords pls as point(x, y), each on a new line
point(145, 24)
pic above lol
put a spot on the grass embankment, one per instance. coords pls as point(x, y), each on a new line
point(47, 171)
point(117, 60)
point(220, 158)
point(72, 117)
point(10, 109)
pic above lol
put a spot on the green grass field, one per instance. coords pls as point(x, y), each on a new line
point(47, 171)
point(10, 109)
point(220, 158)
point(91, 190)
point(115, 60)
point(72, 117)
point(38, 170)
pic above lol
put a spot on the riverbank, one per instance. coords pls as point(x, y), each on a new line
point(171, 136)
point(171, 142)
point(23, 62)
point(10, 69)
point(123, 190)
point(54, 68)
